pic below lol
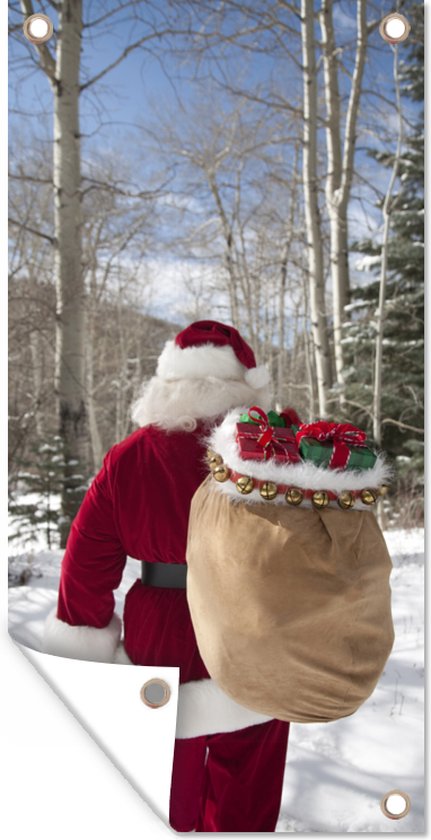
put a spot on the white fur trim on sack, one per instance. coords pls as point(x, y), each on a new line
point(305, 475)
point(80, 642)
point(204, 709)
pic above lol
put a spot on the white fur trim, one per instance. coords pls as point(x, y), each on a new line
point(258, 377)
point(178, 404)
point(80, 642)
point(199, 362)
point(305, 475)
point(204, 709)
point(254, 498)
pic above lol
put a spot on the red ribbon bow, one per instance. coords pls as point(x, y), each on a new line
point(266, 440)
point(342, 435)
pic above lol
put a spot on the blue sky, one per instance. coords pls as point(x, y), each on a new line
point(116, 110)
point(142, 80)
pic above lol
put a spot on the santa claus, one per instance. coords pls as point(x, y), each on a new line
point(228, 760)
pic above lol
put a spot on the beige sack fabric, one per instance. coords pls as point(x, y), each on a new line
point(291, 606)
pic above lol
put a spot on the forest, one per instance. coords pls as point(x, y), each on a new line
point(257, 163)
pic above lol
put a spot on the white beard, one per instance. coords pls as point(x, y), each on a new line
point(181, 403)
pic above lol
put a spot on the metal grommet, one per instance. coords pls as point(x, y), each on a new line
point(155, 693)
point(394, 28)
point(38, 28)
point(395, 804)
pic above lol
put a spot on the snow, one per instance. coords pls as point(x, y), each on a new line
point(36, 537)
point(336, 773)
point(357, 304)
point(367, 262)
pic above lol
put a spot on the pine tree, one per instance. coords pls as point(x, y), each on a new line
point(403, 371)
point(34, 505)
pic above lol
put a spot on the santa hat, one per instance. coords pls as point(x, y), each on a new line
point(211, 349)
point(202, 373)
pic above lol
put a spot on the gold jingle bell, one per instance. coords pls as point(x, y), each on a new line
point(214, 459)
point(244, 484)
point(368, 497)
point(268, 490)
point(320, 499)
point(346, 500)
point(294, 496)
point(221, 472)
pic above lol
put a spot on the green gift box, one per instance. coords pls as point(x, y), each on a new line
point(361, 457)
point(274, 419)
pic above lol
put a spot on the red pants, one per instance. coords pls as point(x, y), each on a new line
point(229, 782)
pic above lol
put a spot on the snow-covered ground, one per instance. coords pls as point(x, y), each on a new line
point(336, 773)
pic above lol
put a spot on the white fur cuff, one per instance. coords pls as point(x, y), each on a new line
point(87, 643)
point(204, 709)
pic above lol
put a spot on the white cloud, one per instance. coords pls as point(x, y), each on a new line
point(183, 286)
point(342, 20)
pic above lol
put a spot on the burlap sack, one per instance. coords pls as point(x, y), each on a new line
point(291, 607)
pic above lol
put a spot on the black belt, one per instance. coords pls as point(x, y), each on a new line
point(166, 575)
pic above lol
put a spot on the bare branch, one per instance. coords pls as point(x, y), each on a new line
point(118, 8)
point(402, 425)
point(46, 236)
point(28, 178)
point(129, 49)
point(355, 91)
point(47, 61)
point(101, 185)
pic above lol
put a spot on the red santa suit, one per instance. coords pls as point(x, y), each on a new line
point(228, 761)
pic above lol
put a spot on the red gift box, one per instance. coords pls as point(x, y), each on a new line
point(261, 442)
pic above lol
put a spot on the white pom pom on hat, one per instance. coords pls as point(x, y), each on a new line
point(257, 377)
point(211, 349)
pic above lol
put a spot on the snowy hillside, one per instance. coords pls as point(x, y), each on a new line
point(336, 773)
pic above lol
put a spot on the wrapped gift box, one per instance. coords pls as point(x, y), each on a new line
point(361, 457)
point(274, 419)
point(282, 446)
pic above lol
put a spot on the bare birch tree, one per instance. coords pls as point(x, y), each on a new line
point(312, 211)
point(62, 68)
point(31, 304)
point(388, 206)
point(63, 72)
point(340, 160)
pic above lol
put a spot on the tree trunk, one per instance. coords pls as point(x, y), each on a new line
point(281, 319)
point(312, 214)
point(380, 317)
point(311, 376)
point(96, 442)
point(279, 394)
point(340, 159)
point(229, 259)
point(70, 324)
point(37, 351)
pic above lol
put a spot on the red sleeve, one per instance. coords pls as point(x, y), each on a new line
point(94, 558)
